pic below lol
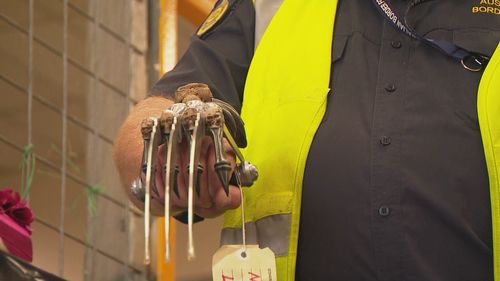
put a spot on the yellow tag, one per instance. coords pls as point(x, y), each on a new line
point(233, 263)
point(213, 17)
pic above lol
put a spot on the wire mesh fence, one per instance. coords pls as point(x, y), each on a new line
point(69, 72)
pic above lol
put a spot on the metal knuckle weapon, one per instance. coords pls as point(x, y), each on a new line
point(194, 115)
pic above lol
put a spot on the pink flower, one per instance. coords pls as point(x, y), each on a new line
point(8, 198)
point(17, 209)
point(23, 215)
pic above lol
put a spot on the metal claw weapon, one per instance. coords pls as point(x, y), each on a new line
point(194, 115)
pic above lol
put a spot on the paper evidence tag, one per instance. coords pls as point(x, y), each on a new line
point(234, 263)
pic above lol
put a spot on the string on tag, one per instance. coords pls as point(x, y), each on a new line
point(243, 229)
point(147, 200)
point(243, 262)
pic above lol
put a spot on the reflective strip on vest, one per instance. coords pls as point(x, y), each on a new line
point(264, 12)
point(488, 105)
point(272, 231)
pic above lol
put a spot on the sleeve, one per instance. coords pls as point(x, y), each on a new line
point(220, 57)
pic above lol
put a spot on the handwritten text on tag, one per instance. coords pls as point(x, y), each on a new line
point(233, 263)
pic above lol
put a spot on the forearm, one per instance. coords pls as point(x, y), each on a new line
point(128, 145)
point(220, 59)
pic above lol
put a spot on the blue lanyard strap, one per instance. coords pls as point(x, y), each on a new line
point(472, 61)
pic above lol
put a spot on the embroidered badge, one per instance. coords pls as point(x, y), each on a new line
point(487, 6)
point(213, 17)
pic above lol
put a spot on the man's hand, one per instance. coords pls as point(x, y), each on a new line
point(128, 146)
point(128, 149)
point(212, 200)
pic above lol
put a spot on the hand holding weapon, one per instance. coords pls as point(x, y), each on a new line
point(195, 114)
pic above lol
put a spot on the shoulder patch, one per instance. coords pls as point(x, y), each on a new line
point(213, 17)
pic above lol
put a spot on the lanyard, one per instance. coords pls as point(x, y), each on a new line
point(471, 61)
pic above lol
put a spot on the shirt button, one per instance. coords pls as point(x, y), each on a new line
point(396, 44)
point(390, 88)
point(384, 211)
point(385, 140)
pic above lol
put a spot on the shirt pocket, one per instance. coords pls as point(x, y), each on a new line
point(338, 49)
point(474, 40)
point(339, 44)
point(477, 40)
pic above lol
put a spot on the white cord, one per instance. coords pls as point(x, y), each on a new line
point(192, 167)
point(169, 145)
point(147, 201)
point(243, 229)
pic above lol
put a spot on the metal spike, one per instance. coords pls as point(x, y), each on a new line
point(215, 123)
point(171, 135)
point(194, 123)
point(199, 173)
point(223, 168)
point(146, 128)
point(234, 122)
point(175, 182)
point(138, 190)
point(151, 140)
point(248, 171)
point(197, 181)
point(178, 109)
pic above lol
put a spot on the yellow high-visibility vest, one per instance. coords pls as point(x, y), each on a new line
point(285, 87)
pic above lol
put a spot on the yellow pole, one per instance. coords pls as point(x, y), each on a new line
point(168, 34)
point(168, 58)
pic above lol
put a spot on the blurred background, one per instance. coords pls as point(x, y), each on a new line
point(70, 71)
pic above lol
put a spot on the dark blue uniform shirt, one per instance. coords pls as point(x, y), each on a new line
point(396, 186)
